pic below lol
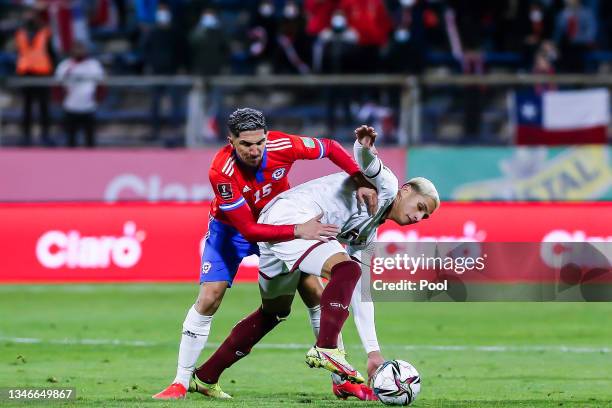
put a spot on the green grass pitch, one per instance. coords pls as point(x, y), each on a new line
point(117, 345)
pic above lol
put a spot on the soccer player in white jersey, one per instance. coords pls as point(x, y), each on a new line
point(281, 262)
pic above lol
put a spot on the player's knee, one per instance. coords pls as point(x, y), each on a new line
point(276, 314)
point(332, 261)
point(208, 302)
point(310, 290)
point(282, 315)
point(348, 268)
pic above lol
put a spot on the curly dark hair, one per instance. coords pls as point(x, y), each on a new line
point(245, 119)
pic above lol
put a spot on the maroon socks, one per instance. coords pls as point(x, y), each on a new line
point(335, 302)
point(238, 344)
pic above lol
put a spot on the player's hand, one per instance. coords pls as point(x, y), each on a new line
point(369, 197)
point(314, 229)
point(375, 360)
point(366, 135)
point(366, 193)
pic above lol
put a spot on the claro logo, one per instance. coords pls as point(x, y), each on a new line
point(57, 249)
point(470, 233)
point(557, 249)
point(131, 186)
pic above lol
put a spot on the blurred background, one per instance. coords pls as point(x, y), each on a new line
point(167, 73)
point(505, 105)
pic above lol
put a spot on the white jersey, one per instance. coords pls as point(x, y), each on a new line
point(80, 80)
point(334, 196)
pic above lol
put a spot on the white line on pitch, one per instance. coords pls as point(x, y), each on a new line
point(293, 346)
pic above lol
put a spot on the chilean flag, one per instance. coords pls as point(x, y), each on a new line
point(68, 23)
point(562, 117)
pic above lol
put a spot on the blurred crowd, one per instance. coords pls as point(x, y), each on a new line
point(210, 37)
point(81, 41)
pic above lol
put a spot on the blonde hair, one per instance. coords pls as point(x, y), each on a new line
point(425, 188)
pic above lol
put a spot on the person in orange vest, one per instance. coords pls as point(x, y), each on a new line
point(34, 59)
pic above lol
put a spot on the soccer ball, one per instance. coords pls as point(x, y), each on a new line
point(396, 382)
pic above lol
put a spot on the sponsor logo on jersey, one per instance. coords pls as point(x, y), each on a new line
point(246, 189)
point(225, 191)
point(308, 142)
point(206, 267)
point(278, 173)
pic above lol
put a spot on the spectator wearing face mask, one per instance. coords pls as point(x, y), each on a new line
point(80, 75)
point(405, 51)
point(293, 45)
point(209, 52)
point(335, 47)
point(334, 52)
point(208, 45)
point(262, 35)
point(536, 27)
point(163, 54)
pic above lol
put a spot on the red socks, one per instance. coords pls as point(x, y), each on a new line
point(335, 302)
point(238, 344)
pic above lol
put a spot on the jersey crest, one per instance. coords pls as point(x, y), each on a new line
point(278, 173)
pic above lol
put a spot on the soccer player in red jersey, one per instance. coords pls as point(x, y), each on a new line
point(282, 265)
point(246, 175)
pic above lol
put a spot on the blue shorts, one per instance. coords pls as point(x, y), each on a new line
point(224, 249)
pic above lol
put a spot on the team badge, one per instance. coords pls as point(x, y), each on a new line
point(278, 173)
point(308, 142)
point(206, 267)
point(225, 191)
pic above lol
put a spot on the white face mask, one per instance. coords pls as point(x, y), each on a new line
point(402, 35)
point(163, 17)
point(290, 11)
point(266, 9)
point(535, 16)
point(338, 22)
point(407, 3)
point(209, 21)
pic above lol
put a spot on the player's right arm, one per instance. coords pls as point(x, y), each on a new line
point(370, 164)
point(233, 204)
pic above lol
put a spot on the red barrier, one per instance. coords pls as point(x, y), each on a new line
point(161, 242)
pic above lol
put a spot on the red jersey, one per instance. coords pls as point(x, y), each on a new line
point(241, 192)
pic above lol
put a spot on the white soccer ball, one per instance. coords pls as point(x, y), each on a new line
point(396, 382)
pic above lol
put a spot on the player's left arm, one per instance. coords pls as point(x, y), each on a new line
point(363, 308)
point(312, 148)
